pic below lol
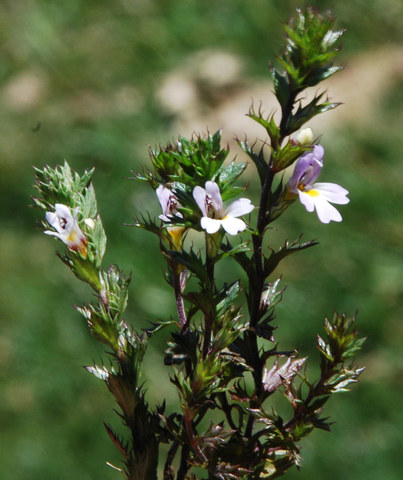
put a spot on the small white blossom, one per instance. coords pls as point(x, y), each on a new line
point(67, 228)
point(214, 216)
point(169, 204)
point(317, 196)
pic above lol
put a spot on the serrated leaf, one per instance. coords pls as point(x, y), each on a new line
point(192, 262)
point(101, 373)
point(226, 176)
point(271, 262)
point(304, 114)
point(257, 158)
point(281, 87)
point(157, 326)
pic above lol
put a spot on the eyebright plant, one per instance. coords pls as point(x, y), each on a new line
point(222, 354)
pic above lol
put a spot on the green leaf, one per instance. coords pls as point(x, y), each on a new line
point(148, 224)
point(308, 55)
point(304, 114)
point(269, 124)
point(192, 262)
point(102, 327)
point(229, 251)
point(271, 296)
point(257, 158)
point(226, 297)
point(161, 324)
point(281, 87)
point(226, 176)
point(271, 262)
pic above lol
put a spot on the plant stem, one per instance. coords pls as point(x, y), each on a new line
point(208, 317)
point(180, 307)
point(227, 410)
point(257, 286)
point(257, 290)
point(184, 466)
point(286, 113)
point(257, 239)
point(168, 470)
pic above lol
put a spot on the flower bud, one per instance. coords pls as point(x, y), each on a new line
point(305, 136)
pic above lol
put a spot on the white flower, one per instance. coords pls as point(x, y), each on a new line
point(214, 216)
point(67, 228)
point(316, 195)
point(169, 204)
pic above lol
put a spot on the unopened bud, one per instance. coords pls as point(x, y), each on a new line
point(305, 136)
point(90, 223)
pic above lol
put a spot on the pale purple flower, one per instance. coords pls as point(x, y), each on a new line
point(168, 202)
point(67, 228)
point(214, 216)
point(317, 196)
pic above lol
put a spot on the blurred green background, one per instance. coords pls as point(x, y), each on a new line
point(95, 82)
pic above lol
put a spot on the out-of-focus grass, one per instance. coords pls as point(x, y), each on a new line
point(78, 81)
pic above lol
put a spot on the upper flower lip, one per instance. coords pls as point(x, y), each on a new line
point(62, 220)
point(307, 168)
point(209, 199)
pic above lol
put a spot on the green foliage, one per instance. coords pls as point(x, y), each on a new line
point(310, 48)
point(307, 59)
point(342, 343)
point(61, 185)
point(191, 162)
point(188, 163)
